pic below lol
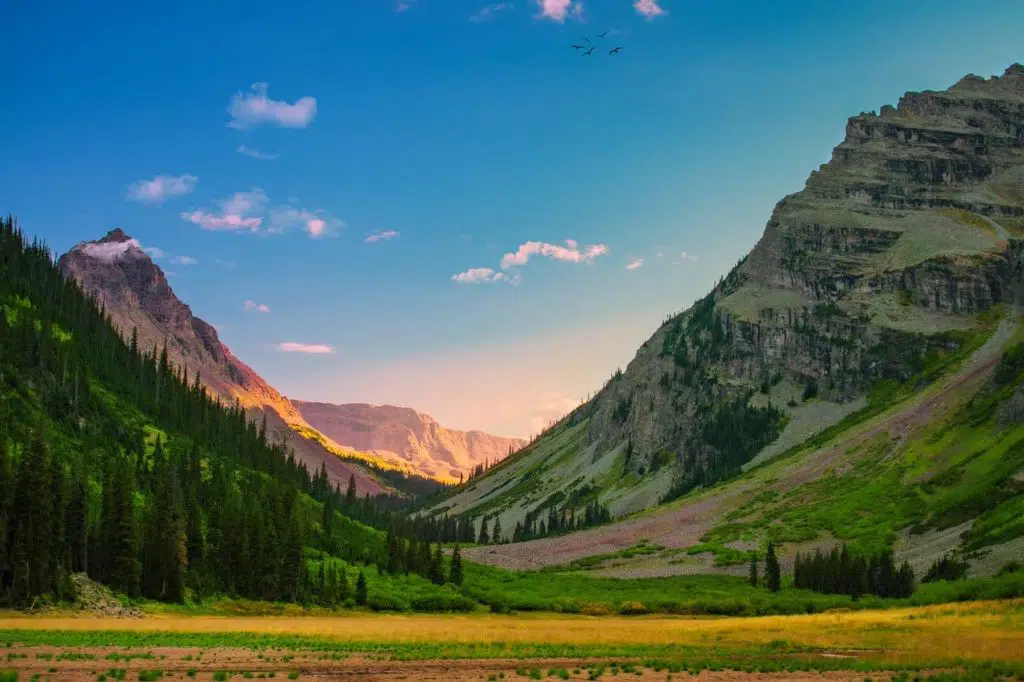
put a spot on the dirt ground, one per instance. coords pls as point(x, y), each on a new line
point(247, 664)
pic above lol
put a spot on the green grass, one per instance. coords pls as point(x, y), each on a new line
point(8, 676)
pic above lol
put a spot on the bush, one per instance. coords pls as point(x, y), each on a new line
point(632, 608)
point(383, 602)
point(1010, 567)
point(8, 676)
point(444, 602)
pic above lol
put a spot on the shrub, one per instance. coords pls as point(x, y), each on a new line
point(1010, 567)
point(444, 602)
point(632, 608)
point(383, 602)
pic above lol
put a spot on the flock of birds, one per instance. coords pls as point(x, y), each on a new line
point(589, 48)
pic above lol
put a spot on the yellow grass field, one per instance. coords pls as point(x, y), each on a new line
point(992, 631)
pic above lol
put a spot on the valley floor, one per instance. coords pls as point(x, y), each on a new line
point(982, 639)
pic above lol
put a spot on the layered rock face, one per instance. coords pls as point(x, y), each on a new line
point(136, 295)
point(891, 250)
point(407, 437)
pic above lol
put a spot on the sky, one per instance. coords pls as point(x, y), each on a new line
point(442, 204)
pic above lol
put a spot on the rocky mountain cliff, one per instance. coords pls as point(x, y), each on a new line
point(136, 295)
point(404, 436)
point(892, 254)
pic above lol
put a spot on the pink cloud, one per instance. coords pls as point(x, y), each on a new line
point(558, 10)
point(649, 8)
point(570, 253)
point(254, 108)
point(252, 306)
point(240, 211)
point(635, 263)
point(378, 236)
point(312, 349)
point(316, 223)
point(209, 221)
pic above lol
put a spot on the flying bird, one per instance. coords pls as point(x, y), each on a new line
point(576, 47)
point(604, 34)
point(615, 51)
point(587, 53)
point(586, 39)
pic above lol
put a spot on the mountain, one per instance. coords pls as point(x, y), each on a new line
point(409, 438)
point(856, 377)
point(135, 294)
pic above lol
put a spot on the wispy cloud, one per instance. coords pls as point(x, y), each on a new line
point(490, 11)
point(635, 263)
point(161, 188)
point(184, 260)
point(154, 252)
point(686, 256)
point(252, 306)
point(310, 348)
point(404, 5)
point(571, 253)
point(225, 263)
point(255, 153)
point(253, 108)
point(108, 252)
point(252, 211)
point(558, 10)
point(240, 211)
point(317, 223)
point(649, 8)
point(484, 276)
point(380, 236)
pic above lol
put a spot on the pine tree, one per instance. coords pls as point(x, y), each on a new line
point(361, 589)
point(483, 538)
point(350, 494)
point(436, 573)
point(496, 533)
point(753, 570)
point(772, 573)
point(455, 571)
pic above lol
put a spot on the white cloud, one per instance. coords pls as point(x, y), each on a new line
point(478, 276)
point(379, 236)
point(154, 252)
point(224, 263)
point(686, 256)
point(108, 252)
point(316, 223)
point(558, 10)
point(649, 8)
point(254, 108)
point(490, 11)
point(240, 211)
point(635, 263)
point(403, 5)
point(313, 349)
point(252, 306)
point(184, 260)
point(255, 153)
point(161, 188)
point(252, 210)
point(570, 253)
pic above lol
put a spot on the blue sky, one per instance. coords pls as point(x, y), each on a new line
point(462, 137)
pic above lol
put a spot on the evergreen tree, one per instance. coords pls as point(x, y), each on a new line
point(496, 533)
point(436, 573)
point(361, 589)
point(455, 571)
point(483, 538)
point(753, 570)
point(772, 572)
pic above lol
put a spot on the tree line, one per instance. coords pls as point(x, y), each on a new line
point(114, 463)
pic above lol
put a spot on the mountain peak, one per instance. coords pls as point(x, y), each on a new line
point(115, 235)
point(1014, 70)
